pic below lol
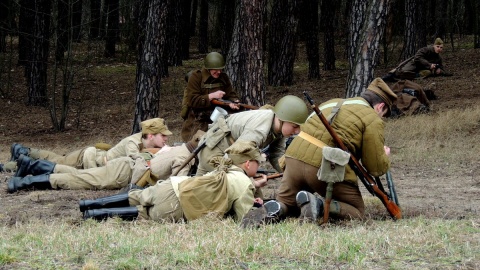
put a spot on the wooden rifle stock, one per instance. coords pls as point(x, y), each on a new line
point(223, 102)
point(392, 208)
point(192, 156)
point(271, 176)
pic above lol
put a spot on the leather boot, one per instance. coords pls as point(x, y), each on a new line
point(26, 166)
point(311, 207)
point(125, 213)
point(29, 182)
point(118, 200)
point(16, 150)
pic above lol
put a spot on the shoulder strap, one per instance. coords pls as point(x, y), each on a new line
point(335, 110)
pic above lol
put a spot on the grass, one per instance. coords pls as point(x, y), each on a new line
point(219, 244)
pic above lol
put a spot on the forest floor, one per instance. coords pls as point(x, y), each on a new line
point(102, 107)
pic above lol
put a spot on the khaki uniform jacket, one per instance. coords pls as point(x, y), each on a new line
point(163, 164)
point(255, 125)
point(360, 129)
point(161, 201)
point(195, 98)
point(126, 147)
point(240, 191)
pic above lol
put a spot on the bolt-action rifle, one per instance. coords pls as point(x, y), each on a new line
point(223, 102)
point(371, 185)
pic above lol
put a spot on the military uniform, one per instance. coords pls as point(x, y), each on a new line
point(196, 106)
point(361, 130)
point(419, 64)
point(226, 191)
point(162, 201)
point(254, 126)
point(91, 157)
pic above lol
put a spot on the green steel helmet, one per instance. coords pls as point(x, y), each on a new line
point(214, 60)
point(291, 109)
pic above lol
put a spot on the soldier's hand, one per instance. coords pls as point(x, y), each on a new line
point(216, 94)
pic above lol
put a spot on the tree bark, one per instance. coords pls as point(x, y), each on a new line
point(186, 7)
point(38, 61)
point(150, 58)
point(244, 62)
point(282, 42)
point(227, 21)
point(112, 27)
point(328, 13)
point(365, 40)
point(410, 37)
point(25, 27)
point(203, 27)
point(174, 32)
point(308, 20)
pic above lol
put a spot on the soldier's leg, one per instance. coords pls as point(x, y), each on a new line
point(157, 202)
point(73, 159)
point(347, 201)
point(115, 175)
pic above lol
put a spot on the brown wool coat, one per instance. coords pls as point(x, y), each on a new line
point(195, 97)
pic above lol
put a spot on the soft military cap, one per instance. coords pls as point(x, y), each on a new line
point(379, 87)
point(155, 126)
point(241, 151)
point(438, 41)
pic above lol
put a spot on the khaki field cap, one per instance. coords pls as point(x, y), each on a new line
point(438, 41)
point(155, 126)
point(241, 151)
point(379, 87)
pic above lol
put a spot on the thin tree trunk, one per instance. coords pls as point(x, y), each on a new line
point(95, 18)
point(328, 13)
point(366, 48)
point(203, 27)
point(150, 62)
point(282, 42)
point(112, 27)
point(25, 27)
point(37, 79)
point(174, 32)
point(244, 62)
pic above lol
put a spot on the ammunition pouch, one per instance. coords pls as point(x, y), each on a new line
point(333, 165)
point(216, 133)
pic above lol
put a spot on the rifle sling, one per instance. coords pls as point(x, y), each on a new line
point(311, 139)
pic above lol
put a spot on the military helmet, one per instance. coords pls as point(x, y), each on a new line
point(214, 60)
point(291, 109)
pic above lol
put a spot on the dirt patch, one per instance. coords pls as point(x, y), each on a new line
point(102, 110)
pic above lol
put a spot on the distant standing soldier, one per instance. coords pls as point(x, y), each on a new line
point(203, 86)
point(426, 62)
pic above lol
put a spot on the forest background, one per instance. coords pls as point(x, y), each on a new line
point(74, 73)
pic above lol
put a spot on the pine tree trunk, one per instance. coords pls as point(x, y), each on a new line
point(25, 27)
point(308, 19)
point(203, 27)
point(282, 42)
point(227, 20)
point(149, 64)
point(244, 62)
point(38, 61)
point(328, 13)
point(366, 48)
point(186, 7)
point(95, 18)
point(410, 37)
point(174, 32)
point(112, 27)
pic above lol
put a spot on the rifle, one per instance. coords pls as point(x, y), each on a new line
point(192, 156)
point(271, 176)
point(223, 102)
point(371, 185)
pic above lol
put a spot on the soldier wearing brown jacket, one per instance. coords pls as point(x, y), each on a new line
point(203, 86)
point(359, 125)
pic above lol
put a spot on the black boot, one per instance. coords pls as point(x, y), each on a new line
point(26, 166)
point(125, 213)
point(29, 182)
point(119, 200)
point(1, 167)
point(16, 150)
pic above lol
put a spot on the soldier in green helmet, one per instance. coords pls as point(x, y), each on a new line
point(265, 127)
point(203, 86)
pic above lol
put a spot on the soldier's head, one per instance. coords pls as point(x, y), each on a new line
point(214, 63)
point(246, 155)
point(380, 96)
point(291, 112)
point(438, 45)
point(154, 133)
